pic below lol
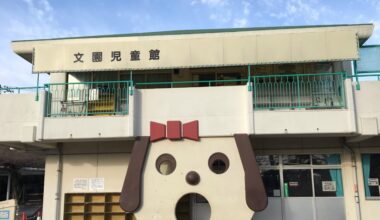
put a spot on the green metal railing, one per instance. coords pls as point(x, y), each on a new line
point(196, 83)
point(88, 98)
point(296, 91)
point(20, 90)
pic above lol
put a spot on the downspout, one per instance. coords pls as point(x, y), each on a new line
point(356, 188)
point(59, 183)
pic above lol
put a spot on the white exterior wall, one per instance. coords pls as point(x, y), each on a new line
point(367, 104)
point(108, 160)
point(221, 111)
point(21, 117)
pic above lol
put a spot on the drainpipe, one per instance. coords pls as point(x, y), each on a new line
point(59, 183)
point(354, 166)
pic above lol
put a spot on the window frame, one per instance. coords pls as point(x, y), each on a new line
point(369, 198)
point(281, 167)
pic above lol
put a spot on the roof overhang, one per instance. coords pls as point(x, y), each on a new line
point(226, 47)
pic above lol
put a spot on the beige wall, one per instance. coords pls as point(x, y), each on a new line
point(21, 117)
point(108, 160)
point(368, 107)
point(177, 51)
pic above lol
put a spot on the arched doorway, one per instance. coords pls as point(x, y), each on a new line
point(192, 206)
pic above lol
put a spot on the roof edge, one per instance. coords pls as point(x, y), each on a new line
point(197, 31)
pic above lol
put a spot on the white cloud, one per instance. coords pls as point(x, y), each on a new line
point(41, 9)
point(213, 3)
point(293, 9)
point(246, 7)
point(240, 22)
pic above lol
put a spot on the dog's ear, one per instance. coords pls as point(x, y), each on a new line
point(255, 195)
point(131, 193)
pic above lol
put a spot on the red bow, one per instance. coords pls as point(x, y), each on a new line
point(174, 131)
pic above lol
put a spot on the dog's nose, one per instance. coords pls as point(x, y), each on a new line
point(193, 178)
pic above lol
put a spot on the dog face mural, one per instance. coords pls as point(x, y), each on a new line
point(223, 170)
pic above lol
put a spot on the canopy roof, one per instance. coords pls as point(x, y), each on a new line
point(198, 48)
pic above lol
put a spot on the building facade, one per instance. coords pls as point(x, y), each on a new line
point(180, 125)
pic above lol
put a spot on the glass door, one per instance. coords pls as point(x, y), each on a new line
point(302, 187)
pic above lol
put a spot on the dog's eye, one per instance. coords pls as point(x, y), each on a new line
point(218, 163)
point(165, 164)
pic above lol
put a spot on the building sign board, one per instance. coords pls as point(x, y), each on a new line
point(192, 50)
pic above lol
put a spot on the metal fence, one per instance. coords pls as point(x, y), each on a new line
point(306, 91)
point(20, 90)
point(88, 98)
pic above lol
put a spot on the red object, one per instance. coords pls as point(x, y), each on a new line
point(23, 216)
point(174, 130)
point(191, 130)
point(157, 131)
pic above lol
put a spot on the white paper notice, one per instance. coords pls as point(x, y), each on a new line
point(328, 186)
point(373, 181)
point(80, 184)
point(96, 184)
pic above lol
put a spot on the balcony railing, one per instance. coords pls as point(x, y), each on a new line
point(299, 91)
point(88, 98)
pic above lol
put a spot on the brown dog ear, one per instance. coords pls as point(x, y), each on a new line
point(131, 193)
point(255, 194)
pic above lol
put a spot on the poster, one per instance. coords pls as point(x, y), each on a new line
point(96, 184)
point(373, 182)
point(328, 186)
point(80, 184)
point(4, 214)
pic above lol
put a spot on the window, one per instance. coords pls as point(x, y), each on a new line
point(328, 183)
point(297, 183)
point(371, 173)
point(272, 182)
point(3, 187)
point(303, 175)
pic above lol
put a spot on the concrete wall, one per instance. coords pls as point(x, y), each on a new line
point(367, 104)
point(21, 117)
point(221, 111)
point(108, 160)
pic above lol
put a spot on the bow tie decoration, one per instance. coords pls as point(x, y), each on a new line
point(174, 131)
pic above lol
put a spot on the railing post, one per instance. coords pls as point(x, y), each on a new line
point(86, 100)
point(343, 89)
point(38, 84)
point(131, 86)
point(249, 78)
point(255, 92)
point(298, 92)
point(48, 102)
point(356, 75)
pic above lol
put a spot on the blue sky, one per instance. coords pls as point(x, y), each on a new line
point(32, 19)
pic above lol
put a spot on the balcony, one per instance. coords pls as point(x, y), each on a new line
point(88, 98)
point(299, 91)
point(303, 104)
point(262, 105)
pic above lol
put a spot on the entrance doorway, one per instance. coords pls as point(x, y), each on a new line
point(302, 187)
point(193, 206)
